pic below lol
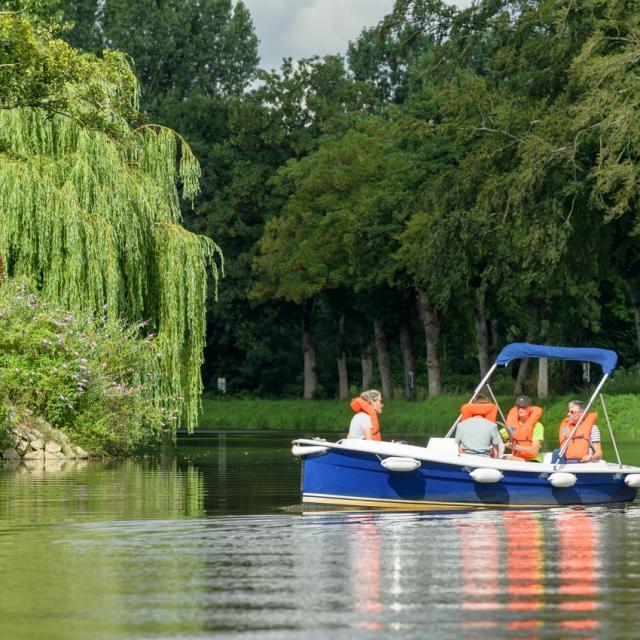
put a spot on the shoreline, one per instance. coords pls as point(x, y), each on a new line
point(400, 417)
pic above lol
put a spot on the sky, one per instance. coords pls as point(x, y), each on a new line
point(303, 28)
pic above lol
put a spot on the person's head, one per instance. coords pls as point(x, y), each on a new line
point(574, 410)
point(481, 399)
point(523, 403)
point(374, 398)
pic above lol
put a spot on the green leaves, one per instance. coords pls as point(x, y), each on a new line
point(90, 208)
point(345, 203)
point(39, 71)
point(81, 373)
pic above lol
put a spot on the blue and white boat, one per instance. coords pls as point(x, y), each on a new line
point(378, 474)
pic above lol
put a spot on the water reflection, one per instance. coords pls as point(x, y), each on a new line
point(524, 561)
point(366, 561)
point(579, 570)
point(77, 490)
point(520, 574)
point(192, 545)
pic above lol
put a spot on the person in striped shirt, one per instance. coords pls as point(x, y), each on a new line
point(578, 450)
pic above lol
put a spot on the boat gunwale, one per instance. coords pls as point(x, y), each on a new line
point(383, 448)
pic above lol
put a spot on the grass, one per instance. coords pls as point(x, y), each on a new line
point(432, 416)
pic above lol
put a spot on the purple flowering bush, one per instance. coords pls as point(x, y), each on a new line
point(95, 380)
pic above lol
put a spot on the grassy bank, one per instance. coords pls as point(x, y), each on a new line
point(433, 416)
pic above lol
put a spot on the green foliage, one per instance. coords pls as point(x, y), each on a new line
point(180, 48)
point(91, 378)
point(513, 129)
point(431, 417)
point(487, 154)
point(90, 206)
point(350, 190)
point(39, 71)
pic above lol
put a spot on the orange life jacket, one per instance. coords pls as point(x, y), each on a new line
point(579, 445)
point(523, 433)
point(361, 405)
point(482, 409)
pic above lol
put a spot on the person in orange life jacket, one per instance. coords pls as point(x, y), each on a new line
point(477, 432)
point(585, 444)
point(364, 425)
point(523, 431)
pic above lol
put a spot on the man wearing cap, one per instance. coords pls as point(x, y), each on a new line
point(523, 431)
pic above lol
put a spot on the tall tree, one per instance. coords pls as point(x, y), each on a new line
point(350, 191)
point(90, 206)
point(179, 47)
point(299, 107)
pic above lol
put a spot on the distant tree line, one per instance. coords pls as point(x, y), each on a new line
point(463, 179)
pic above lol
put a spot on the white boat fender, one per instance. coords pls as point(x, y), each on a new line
point(562, 479)
point(486, 476)
point(632, 480)
point(306, 450)
point(395, 463)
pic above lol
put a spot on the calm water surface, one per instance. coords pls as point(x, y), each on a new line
point(202, 542)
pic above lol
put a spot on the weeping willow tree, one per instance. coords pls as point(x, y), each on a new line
point(89, 204)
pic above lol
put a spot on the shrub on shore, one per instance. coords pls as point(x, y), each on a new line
point(87, 377)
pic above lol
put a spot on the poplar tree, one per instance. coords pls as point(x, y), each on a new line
point(89, 204)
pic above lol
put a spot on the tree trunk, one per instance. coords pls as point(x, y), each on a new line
point(384, 362)
point(408, 359)
point(543, 378)
point(523, 368)
point(343, 379)
point(482, 335)
point(367, 367)
point(309, 350)
point(635, 303)
point(494, 335)
point(431, 322)
point(543, 363)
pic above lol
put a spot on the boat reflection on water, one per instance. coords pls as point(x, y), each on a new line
point(480, 551)
point(525, 569)
point(508, 574)
point(512, 567)
point(579, 567)
point(366, 562)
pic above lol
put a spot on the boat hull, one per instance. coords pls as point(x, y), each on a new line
point(356, 478)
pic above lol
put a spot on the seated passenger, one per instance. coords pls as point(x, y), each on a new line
point(476, 432)
point(365, 425)
point(523, 432)
point(584, 445)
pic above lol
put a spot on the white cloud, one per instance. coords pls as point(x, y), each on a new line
point(303, 28)
point(327, 26)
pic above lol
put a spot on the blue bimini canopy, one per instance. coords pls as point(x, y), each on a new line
point(604, 357)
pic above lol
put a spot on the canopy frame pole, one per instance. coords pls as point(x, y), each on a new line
point(495, 401)
point(613, 440)
point(484, 381)
point(565, 446)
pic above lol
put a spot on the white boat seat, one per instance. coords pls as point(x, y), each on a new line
point(442, 446)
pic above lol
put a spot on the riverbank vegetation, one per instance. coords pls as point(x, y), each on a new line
point(431, 416)
point(460, 180)
point(91, 378)
point(91, 222)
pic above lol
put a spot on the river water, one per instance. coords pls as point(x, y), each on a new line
point(205, 541)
